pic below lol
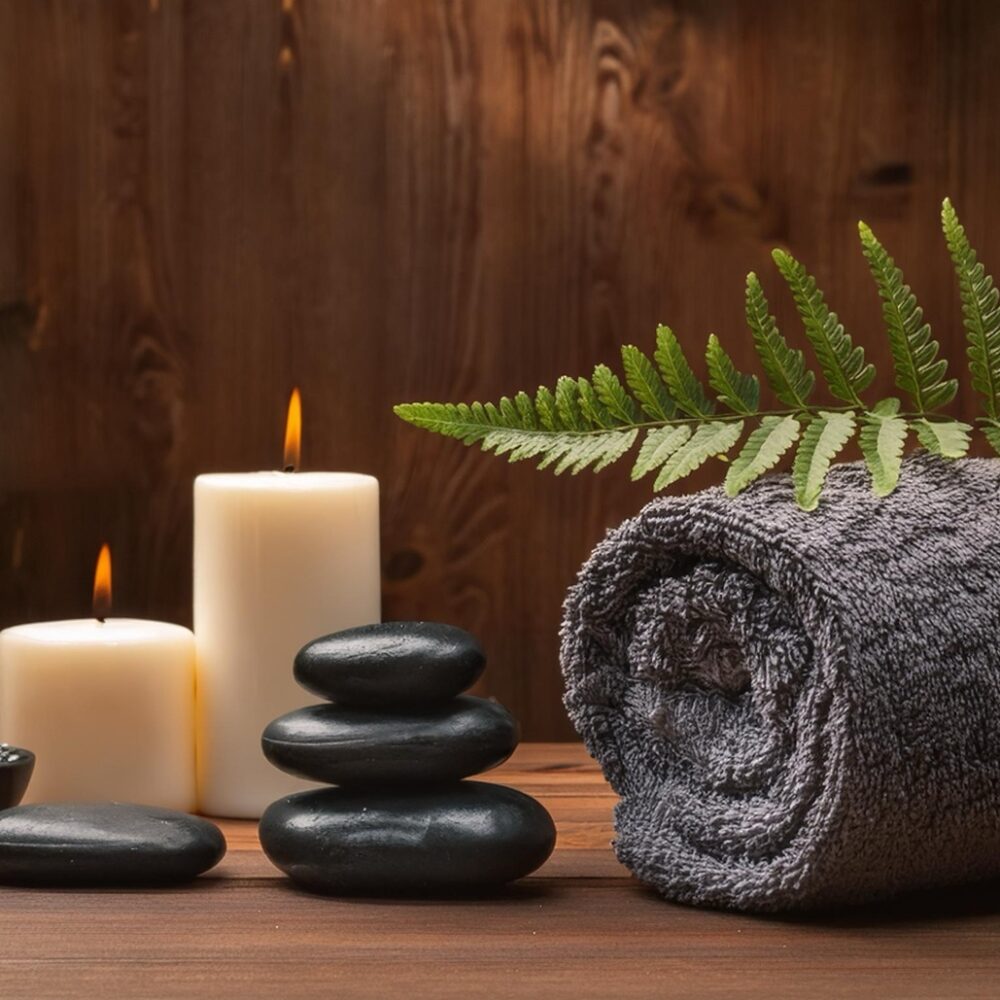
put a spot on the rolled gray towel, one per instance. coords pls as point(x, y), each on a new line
point(798, 710)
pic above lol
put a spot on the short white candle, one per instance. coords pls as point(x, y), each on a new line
point(106, 707)
point(280, 558)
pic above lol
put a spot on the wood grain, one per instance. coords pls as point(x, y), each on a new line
point(580, 927)
point(204, 203)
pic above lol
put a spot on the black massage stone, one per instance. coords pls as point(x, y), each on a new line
point(342, 746)
point(400, 664)
point(104, 844)
point(466, 836)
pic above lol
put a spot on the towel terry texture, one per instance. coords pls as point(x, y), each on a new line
point(798, 710)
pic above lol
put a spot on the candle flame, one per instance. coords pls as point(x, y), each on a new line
point(102, 584)
point(293, 432)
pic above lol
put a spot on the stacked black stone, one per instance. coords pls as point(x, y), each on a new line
point(397, 737)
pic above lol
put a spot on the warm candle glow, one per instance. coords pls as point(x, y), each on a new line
point(293, 432)
point(102, 584)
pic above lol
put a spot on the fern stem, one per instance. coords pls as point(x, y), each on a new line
point(808, 410)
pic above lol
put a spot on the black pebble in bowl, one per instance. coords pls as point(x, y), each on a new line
point(16, 766)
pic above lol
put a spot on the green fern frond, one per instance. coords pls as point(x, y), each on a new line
point(682, 383)
point(710, 439)
point(947, 438)
point(762, 452)
point(591, 423)
point(842, 363)
point(919, 371)
point(979, 309)
point(741, 393)
point(646, 384)
point(783, 366)
point(825, 436)
point(882, 438)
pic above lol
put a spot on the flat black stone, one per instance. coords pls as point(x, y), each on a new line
point(342, 745)
point(104, 844)
point(451, 838)
point(393, 663)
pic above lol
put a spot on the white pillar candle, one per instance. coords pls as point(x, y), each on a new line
point(106, 706)
point(280, 558)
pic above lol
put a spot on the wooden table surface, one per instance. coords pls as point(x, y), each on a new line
point(580, 927)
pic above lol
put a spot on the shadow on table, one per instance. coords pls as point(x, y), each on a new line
point(529, 890)
point(977, 899)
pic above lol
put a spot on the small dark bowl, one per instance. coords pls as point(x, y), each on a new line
point(16, 766)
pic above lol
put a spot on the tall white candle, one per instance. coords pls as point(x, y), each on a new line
point(106, 706)
point(280, 558)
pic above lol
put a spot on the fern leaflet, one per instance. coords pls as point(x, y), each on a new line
point(979, 309)
point(660, 443)
point(762, 451)
point(681, 381)
point(919, 371)
point(784, 367)
point(646, 384)
point(947, 438)
point(882, 437)
point(843, 364)
point(713, 438)
point(991, 431)
point(825, 435)
point(741, 393)
point(568, 404)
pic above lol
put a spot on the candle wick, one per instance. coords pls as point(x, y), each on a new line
point(100, 619)
point(289, 468)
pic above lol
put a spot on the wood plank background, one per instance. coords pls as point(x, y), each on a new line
point(203, 203)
